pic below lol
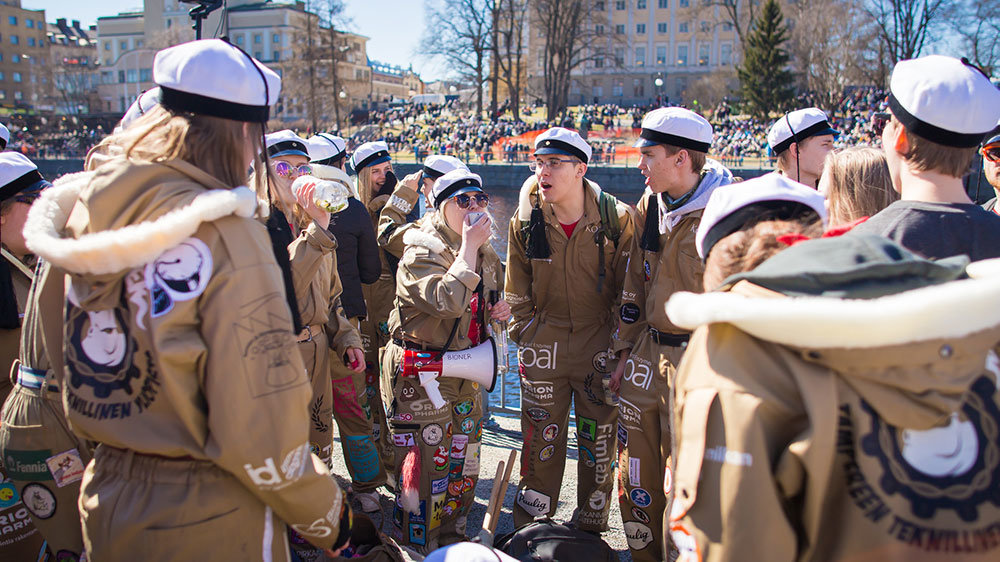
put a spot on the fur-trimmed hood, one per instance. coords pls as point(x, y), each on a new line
point(100, 225)
point(912, 355)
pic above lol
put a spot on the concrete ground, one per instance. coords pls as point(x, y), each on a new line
point(496, 446)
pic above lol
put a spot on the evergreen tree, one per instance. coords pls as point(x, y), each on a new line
point(765, 81)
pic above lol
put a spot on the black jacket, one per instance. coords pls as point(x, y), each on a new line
point(357, 255)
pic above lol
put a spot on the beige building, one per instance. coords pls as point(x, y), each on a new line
point(73, 69)
point(24, 75)
point(390, 82)
point(643, 49)
point(273, 32)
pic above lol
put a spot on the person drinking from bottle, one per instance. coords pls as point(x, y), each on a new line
point(443, 284)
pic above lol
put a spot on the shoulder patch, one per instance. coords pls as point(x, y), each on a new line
point(179, 274)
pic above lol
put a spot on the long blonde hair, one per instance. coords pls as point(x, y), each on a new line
point(858, 183)
point(215, 145)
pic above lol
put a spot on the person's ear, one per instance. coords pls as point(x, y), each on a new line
point(902, 143)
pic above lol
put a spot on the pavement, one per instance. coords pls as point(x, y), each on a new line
point(496, 446)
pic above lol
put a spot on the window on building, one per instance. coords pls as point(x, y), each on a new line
point(726, 54)
point(31, 41)
point(662, 4)
point(618, 90)
point(139, 43)
point(620, 29)
point(661, 55)
point(640, 28)
point(727, 26)
point(682, 55)
point(661, 27)
point(18, 95)
point(619, 5)
point(705, 27)
point(258, 55)
point(640, 4)
point(683, 27)
point(640, 56)
point(275, 38)
point(145, 74)
point(599, 6)
point(123, 45)
point(239, 39)
point(107, 45)
point(15, 58)
point(620, 56)
point(258, 38)
point(30, 24)
point(685, 3)
point(15, 76)
point(107, 77)
point(131, 76)
point(599, 29)
point(121, 76)
point(15, 40)
point(598, 91)
point(276, 55)
point(3, 94)
point(1, 76)
point(598, 62)
point(638, 88)
point(703, 57)
point(12, 20)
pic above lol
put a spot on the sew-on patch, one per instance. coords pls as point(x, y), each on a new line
point(638, 535)
point(179, 274)
point(630, 313)
point(39, 500)
point(66, 467)
point(402, 204)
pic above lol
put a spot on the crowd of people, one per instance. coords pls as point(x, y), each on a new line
point(797, 366)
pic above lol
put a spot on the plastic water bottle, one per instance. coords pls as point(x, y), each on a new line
point(331, 196)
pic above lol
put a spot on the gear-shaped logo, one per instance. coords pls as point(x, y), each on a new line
point(954, 467)
point(100, 351)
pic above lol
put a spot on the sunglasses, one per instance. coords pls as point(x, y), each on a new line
point(991, 152)
point(463, 200)
point(285, 170)
point(879, 121)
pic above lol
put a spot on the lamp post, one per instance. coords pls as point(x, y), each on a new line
point(658, 82)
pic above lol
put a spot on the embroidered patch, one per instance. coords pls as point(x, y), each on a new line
point(550, 432)
point(471, 467)
point(440, 458)
point(538, 414)
point(634, 473)
point(534, 502)
point(439, 486)
point(463, 408)
point(39, 500)
point(179, 274)
point(432, 434)
point(66, 467)
point(403, 205)
point(546, 452)
point(640, 515)
point(468, 426)
point(640, 497)
point(403, 440)
point(638, 535)
point(586, 428)
point(8, 495)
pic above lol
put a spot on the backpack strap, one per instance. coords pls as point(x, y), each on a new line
point(607, 204)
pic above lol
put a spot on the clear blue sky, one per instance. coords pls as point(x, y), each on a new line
point(394, 27)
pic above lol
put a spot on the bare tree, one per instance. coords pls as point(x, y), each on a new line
point(977, 22)
point(312, 70)
point(906, 27)
point(507, 52)
point(741, 14)
point(461, 37)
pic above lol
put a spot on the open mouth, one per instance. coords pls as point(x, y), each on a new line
point(545, 185)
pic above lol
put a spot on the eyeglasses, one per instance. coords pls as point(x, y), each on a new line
point(991, 152)
point(879, 121)
point(553, 164)
point(285, 170)
point(463, 200)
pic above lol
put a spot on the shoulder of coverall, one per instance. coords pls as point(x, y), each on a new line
point(528, 196)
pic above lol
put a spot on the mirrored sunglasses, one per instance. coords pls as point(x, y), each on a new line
point(285, 170)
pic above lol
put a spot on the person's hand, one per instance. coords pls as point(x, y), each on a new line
point(304, 196)
point(500, 311)
point(355, 359)
point(476, 234)
point(412, 182)
point(335, 553)
point(615, 384)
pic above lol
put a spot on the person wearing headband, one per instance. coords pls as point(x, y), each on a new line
point(801, 140)
point(446, 277)
point(178, 348)
point(941, 108)
point(20, 185)
point(567, 247)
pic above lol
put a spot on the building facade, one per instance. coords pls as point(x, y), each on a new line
point(642, 50)
point(74, 68)
point(391, 82)
point(24, 66)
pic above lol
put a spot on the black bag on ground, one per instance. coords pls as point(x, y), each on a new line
point(544, 540)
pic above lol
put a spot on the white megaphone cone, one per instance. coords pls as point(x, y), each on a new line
point(477, 364)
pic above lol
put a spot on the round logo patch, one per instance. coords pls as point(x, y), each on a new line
point(468, 426)
point(638, 535)
point(546, 452)
point(179, 274)
point(640, 497)
point(550, 432)
point(463, 408)
point(630, 313)
point(39, 500)
point(538, 414)
point(432, 434)
point(8, 495)
point(600, 361)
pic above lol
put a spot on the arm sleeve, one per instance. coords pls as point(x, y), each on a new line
point(393, 218)
point(433, 287)
point(306, 254)
point(342, 334)
point(631, 308)
point(517, 282)
point(256, 393)
point(369, 262)
point(619, 267)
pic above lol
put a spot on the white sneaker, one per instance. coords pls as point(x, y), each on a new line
point(369, 501)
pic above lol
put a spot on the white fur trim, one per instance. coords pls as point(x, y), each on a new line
point(417, 237)
point(950, 310)
point(132, 246)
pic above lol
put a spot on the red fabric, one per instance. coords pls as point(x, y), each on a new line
point(569, 228)
point(474, 325)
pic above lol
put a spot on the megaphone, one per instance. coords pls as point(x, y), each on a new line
point(477, 364)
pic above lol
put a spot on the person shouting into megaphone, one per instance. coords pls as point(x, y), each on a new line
point(438, 356)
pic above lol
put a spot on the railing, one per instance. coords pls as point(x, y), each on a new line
point(622, 160)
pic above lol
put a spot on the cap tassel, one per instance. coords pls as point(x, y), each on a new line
point(651, 230)
point(409, 498)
